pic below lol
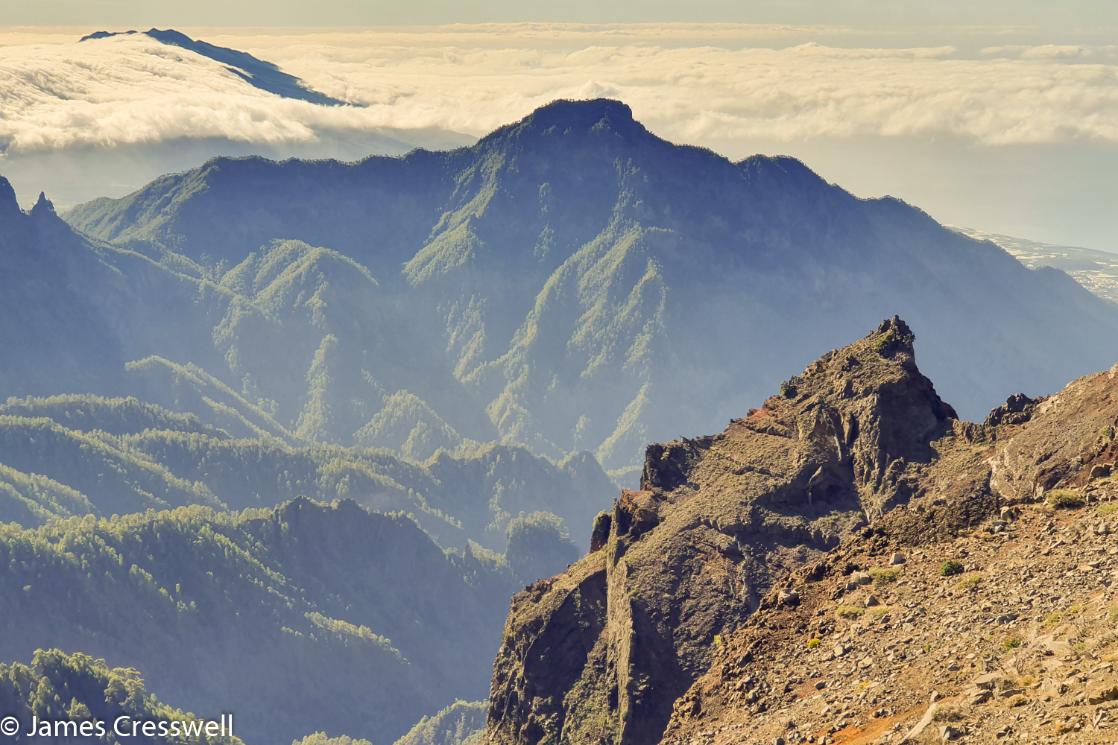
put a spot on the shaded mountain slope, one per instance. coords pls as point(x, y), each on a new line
point(190, 389)
point(1095, 270)
point(323, 310)
point(76, 310)
point(110, 478)
point(295, 342)
point(238, 612)
point(588, 285)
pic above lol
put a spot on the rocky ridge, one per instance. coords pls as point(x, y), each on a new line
point(829, 565)
point(570, 282)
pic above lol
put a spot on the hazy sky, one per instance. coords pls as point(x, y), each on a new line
point(1063, 14)
point(996, 115)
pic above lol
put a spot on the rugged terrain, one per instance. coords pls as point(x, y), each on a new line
point(570, 282)
point(465, 336)
point(849, 562)
point(300, 618)
point(76, 455)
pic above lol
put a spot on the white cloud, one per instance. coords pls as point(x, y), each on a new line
point(688, 82)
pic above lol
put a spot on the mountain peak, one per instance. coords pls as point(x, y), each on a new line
point(885, 358)
point(43, 206)
point(578, 116)
point(586, 110)
point(886, 410)
point(895, 335)
point(8, 202)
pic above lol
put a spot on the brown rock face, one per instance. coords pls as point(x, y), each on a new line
point(995, 630)
point(601, 653)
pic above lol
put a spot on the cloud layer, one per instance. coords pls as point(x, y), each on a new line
point(693, 83)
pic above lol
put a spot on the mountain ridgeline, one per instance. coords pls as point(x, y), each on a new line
point(696, 615)
point(286, 436)
point(303, 618)
point(573, 282)
point(267, 76)
point(79, 455)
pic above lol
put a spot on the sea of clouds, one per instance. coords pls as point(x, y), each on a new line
point(693, 83)
point(1006, 129)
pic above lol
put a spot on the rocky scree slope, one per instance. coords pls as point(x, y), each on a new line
point(784, 581)
point(602, 652)
point(1006, 631)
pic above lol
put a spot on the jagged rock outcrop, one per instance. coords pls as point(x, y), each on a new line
point(1000, 631)
point(602, 652)
point(1016, 410)
point(1068, 440)
point(729, 600)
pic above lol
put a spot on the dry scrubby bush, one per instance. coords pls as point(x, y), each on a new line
point(950, 568)
point(885, 575)
point(1064, 499)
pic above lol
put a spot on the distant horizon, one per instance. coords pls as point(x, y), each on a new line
point(1075, 14)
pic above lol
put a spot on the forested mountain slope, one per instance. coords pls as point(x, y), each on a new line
point(574, 282)
point(302, 618)
point(76, 688)
point(78, 455)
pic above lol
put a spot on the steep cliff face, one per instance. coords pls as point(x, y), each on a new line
point(997, 632)
point(793, 579)
point(602, 652)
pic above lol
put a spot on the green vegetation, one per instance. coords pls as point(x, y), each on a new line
point(408, 424)
point(850, 612)
point(76, 687)
point(951, 568)
point(1053, 618)
point(188, 387)
point(386, 624)
point(884, 575)
point(51, 470)
point(321, 738)
point(814, 642)
point(969, 581)
point(458, 724)
point(105, 474)
point(115, 416)
point(877, 611)
point(883, 342)
point(1064, 499)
